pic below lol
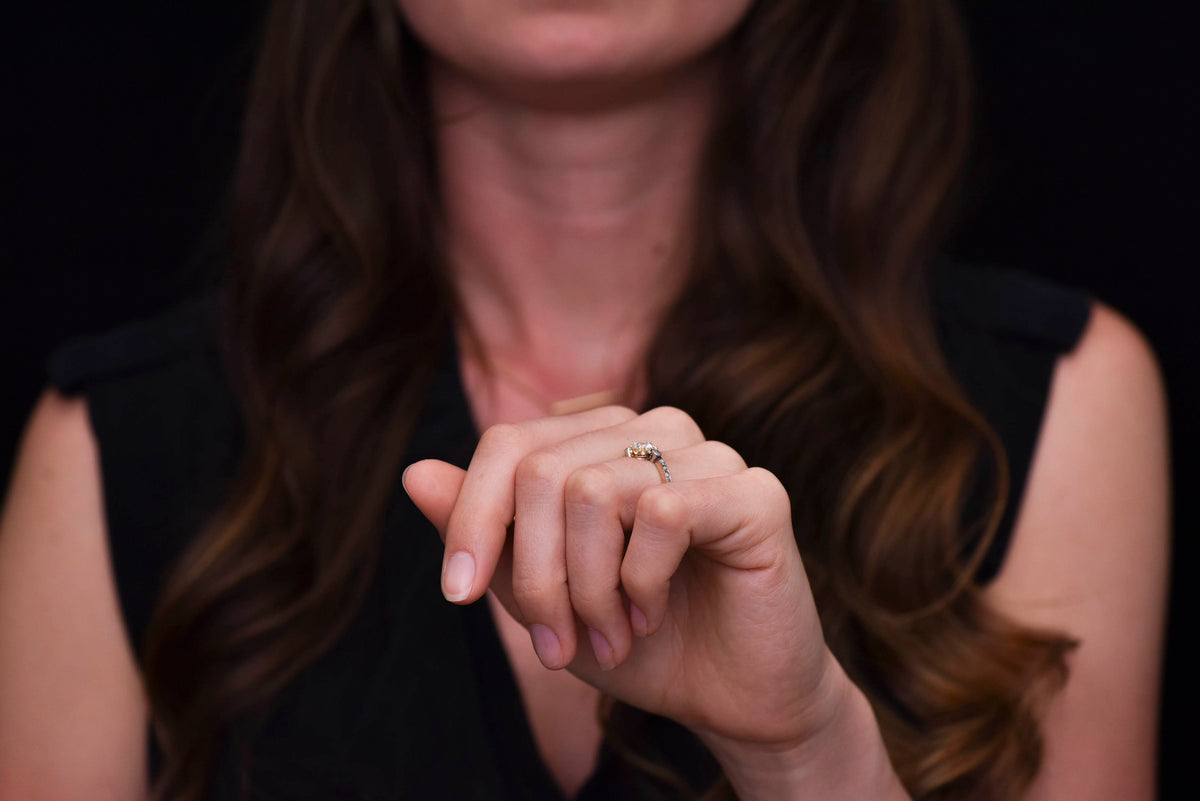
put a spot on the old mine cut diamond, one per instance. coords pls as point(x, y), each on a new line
point(643, 450)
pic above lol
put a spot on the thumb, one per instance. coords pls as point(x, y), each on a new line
point(434, 486)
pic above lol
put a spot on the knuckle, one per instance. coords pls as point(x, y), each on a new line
point(768, 485)
point(662, 508)
point(502, 438)
point(534, 595)
point(593, 485)
point(679, 421)
point(588, 596)
point(614, 415)
point(634, 579)
point(725, 455)
point(639, 580)
point(540, 469)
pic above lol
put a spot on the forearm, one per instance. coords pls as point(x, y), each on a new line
point(846, 760)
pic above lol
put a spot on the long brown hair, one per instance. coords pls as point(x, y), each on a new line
point(804, 338)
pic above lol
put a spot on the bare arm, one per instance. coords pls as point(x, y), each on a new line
point(72, 711)
point(1089, 558)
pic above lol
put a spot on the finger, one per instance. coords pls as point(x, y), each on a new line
point(539, 579)
point(434, 487)
point(478, 526)
point(742, 521)
point(595, 544)
point(540, 586)
point(600, 505)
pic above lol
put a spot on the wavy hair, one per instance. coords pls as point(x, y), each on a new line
point(803, 338)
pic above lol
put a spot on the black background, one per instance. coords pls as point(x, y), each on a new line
point(118, 124)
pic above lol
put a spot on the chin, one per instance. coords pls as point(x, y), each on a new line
point(580, 45)
point(555, 48)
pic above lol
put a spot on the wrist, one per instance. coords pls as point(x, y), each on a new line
point(843, 759)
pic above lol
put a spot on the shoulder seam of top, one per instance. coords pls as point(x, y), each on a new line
point(135, 346)
point(1010, 303)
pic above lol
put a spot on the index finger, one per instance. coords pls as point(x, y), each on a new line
point(479, 523)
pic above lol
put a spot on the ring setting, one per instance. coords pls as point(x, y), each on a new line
point(649, 452)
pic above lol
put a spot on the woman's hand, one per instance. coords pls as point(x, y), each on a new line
point(686, 599)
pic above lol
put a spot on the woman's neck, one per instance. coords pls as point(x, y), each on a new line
point(568, 232)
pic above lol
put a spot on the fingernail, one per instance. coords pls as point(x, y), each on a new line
point(458, 576)
point(602, 650)
point(637, 619)
point(404, 476)
point(545, 642)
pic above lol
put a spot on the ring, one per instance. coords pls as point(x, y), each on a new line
point(648, 452)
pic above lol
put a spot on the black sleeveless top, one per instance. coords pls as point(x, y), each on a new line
point(417, 699)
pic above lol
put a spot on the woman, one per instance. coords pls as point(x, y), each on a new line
point(450, 220)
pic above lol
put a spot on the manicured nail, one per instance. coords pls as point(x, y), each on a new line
point(637, 619)
point(458, 576)
point(546, 643)
point(602, 650)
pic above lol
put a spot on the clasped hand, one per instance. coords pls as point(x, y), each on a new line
point(686, 599)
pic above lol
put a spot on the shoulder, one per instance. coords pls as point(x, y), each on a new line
point(1100, 472)
point(1089, 557)
point(167, 433)
point(185, 333)
point(1114, 362)
point(157, 390)
point(1003, 334)
point(160, 406)
point(1113, 381)
point(72, 717)
point(989, 314)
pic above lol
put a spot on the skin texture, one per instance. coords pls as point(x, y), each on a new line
point(579, 55)
point(569, 136)
point(1097, 500)
point(72, 717)
point(711, 567)
point(72, 714)
point(1090, 557)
